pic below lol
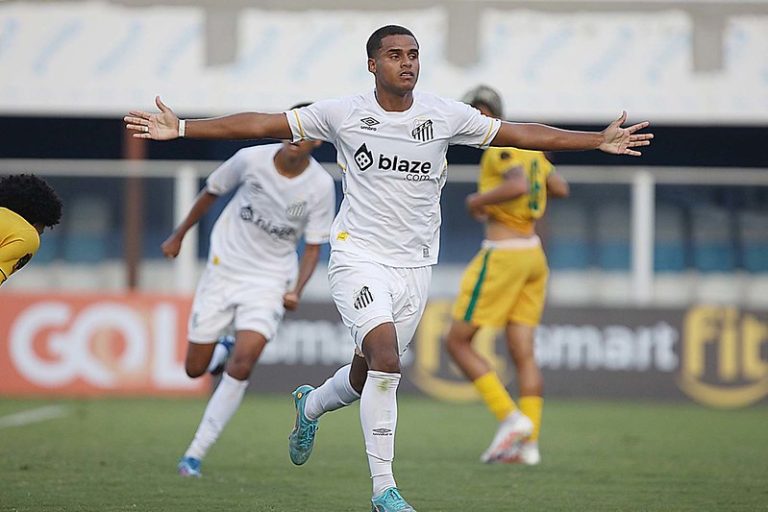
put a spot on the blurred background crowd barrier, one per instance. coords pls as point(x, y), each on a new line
point(553, 60)
point(659, 282)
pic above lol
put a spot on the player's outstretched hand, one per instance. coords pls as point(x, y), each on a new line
point(291, 301)
point(162, 126)
point(171, 246)
point(620, 141)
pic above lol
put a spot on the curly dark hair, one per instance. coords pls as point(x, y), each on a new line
point(374, 42)
point(32, 198)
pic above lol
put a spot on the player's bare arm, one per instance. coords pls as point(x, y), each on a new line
point(172, 245)
point(614, 139)
point(307, 266)
point(514, 185)
point(247, 125)
point(557, 186)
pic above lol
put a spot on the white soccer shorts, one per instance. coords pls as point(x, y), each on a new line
point(221, 301)
point(368, 294)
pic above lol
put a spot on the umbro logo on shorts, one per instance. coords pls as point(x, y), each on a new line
point(363, 298)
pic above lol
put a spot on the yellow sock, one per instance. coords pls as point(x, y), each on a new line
point(495, 395)
point(531, 406)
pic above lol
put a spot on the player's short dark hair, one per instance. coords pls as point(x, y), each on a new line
point(32, 198)
point(374, 42)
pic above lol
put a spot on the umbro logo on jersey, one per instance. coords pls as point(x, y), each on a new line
point(256, 187)
point(369, 123)
point(363, 157)
point(363, 298)
point(423, 131)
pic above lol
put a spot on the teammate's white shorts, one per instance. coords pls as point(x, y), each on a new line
point(221, 301)
point(368, 294)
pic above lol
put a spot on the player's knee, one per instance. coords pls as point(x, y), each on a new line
point(194, 369)
point(358, 383)
point(388, 362)
point(358, 374)
point(240, 367)
point(451, 343)
point(454, 344)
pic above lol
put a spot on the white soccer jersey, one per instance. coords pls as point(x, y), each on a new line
point(393, 170)
point(257, 233)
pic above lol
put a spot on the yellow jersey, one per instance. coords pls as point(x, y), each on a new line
point(522, 212)
point(19, 241)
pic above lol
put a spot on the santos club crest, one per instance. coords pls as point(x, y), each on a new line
point(422, 129)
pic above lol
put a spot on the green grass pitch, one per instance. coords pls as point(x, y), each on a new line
point(109, 455)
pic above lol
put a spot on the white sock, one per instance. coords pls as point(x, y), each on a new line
point(378, 417)
point(335, 393)
point(220, 354)
point(222, 405)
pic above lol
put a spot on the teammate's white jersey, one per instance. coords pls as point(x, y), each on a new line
point(257, 233)
point(393, 168)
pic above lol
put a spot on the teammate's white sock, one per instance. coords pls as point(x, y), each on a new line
point(378, 417)
point(220, 354)
point(222, 405)
point(335, 393)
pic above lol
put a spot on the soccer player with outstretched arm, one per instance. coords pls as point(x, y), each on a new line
point(391, 144)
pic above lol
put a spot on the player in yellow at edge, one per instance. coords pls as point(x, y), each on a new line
point(27, 206)
point(505, 285)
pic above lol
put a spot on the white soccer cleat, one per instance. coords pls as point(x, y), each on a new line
point(526, 453)
point(511, 432)
point(529, 453)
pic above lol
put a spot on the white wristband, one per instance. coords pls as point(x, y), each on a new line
point(182, 127)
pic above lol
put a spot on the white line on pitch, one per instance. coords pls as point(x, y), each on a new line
point(22, 418)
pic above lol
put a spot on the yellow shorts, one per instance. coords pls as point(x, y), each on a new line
point(502, 286)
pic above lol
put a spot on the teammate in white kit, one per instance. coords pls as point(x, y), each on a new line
point(253, 273)
point(391, 145)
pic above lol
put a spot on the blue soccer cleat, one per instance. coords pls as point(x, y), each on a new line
point(302, 437)
point(228, 342)
point(189, 467)
point(390, 501)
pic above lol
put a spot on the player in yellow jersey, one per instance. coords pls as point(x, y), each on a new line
point(505, 285)
point(27, 206)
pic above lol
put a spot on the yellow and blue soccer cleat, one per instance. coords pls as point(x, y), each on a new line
point(390, 501)
point(302, 437)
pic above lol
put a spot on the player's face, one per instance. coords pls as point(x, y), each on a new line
point(396, 65)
